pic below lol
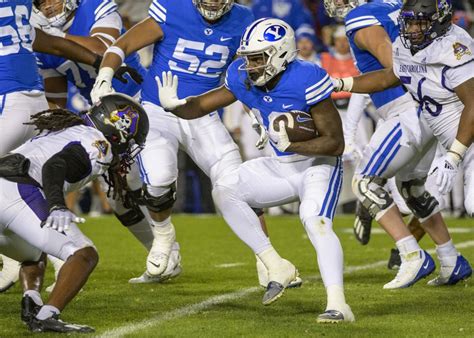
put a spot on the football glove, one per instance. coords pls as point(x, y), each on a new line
point(119, 73)
point(446, 173)
point(60, 219)
point(260, 130)
point(168, 91)
point(283, 140)
point(103, 84)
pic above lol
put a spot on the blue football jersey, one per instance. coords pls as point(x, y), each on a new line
point(18, 70)
point(197, 51)
point(302, 85)
point(374, 14)
point(80, 75)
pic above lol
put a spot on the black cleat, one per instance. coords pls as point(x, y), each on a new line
point(394, 261)
point(274, 291)
point(362, 224)
point(29, 309)
point(54, 324)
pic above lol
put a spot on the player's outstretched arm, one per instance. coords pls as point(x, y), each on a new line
point(367, 83)
point(191, 107)
point(329, 126)
point(45, 43)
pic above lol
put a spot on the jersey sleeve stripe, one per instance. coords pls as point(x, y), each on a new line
point(105, 2)
point(106, 10)
point(157, 4)
point(157, 14)
point(319, 90)
point(322, 96)
point(365, 17)
point(361, 24)
point(324, 79)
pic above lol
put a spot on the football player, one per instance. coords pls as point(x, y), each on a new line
point(96, 24)
point(68, 152)
point(21, 89)
point(433, 59)
point(200, 54)
point(402, 145)
point(268, 79)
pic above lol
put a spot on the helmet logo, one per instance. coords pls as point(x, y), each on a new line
point(274, 33)
point(124, 120)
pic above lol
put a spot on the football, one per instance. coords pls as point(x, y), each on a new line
point(299, 125)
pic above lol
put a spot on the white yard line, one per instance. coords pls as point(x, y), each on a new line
point(378, 231)
point(204, 305)
point(229, 265)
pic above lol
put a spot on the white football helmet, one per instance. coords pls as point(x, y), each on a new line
point(213, 9)
point(55, 12)
point(267, 46)
point(340, 8)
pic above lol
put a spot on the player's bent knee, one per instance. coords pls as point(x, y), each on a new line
point(371, 193)
point(421, 203)
point(308, 210)
point(158, 199)
point(89, 256)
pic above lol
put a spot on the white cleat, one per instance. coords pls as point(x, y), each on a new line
point(415, 266)
point(173, 270)
point(158, 257)
point(9, 274)
point(262, 274)
point(336, 316)
point(278, 281)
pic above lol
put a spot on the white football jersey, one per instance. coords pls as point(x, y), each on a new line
point(41, 148)
point(431, 75)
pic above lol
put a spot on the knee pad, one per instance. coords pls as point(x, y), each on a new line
point(308, 209)
point(372, 194)
point(421, 203)
point(159, 203)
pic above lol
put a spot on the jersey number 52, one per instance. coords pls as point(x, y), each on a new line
point(208, 68)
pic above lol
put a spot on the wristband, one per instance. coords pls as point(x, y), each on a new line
point(347, 83)
point(457, 151)
point(118, 51)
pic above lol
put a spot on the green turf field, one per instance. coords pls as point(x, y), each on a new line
point(217, 293)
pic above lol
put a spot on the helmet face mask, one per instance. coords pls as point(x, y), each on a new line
point(422, 21)
point(213, 10)
point(340, 8)
point(56, 12)
point(267, 47)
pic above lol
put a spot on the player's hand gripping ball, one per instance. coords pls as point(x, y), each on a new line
point(299, 125)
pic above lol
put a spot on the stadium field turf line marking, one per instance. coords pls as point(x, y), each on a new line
point(382, 232)
point(219, 299)
point(229, 265)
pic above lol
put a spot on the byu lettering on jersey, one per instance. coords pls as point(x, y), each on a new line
point(374, 14)
point(198, 54)
point(89, 14)
point(18, 70)
point(302, 85)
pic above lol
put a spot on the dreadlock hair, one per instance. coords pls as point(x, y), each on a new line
point(116, 179)
point(55, 120)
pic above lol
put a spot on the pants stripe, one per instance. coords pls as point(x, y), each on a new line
point(380, 148)
point(330, 187)
point(388, 149)
point(34, 199)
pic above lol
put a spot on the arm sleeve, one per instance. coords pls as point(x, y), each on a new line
point(453, 77)
point(158, 11)
point(111, 20)
point(71, 164)
point(319, 87)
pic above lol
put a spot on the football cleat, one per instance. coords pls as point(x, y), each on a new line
point(279, 280)
point(9, 274)
point(262, 274)
point(336, 316)
point(159, 255)
point(415, 266)
point(54, 324)
point(450, 275)
point(394, 261)
point(172, 270)
point(362, 224)
point(29, 309)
